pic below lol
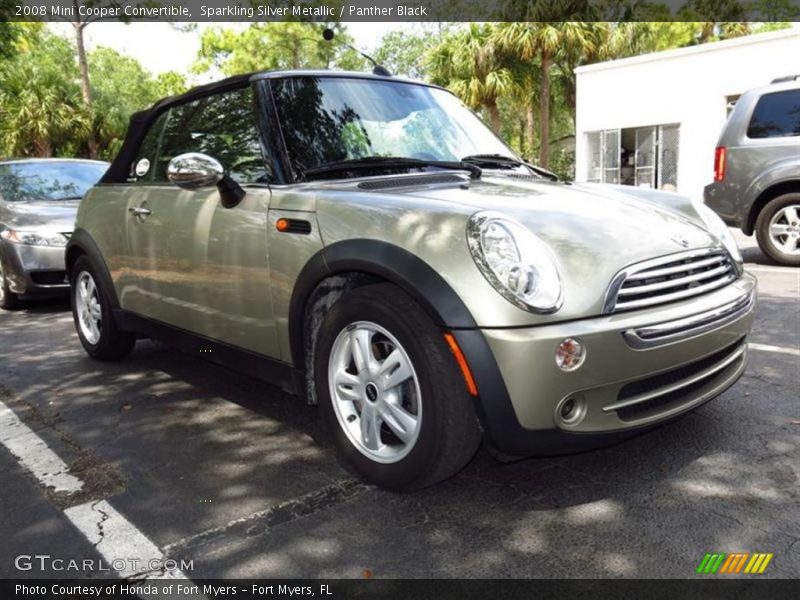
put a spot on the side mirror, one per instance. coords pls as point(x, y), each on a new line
point(194, 170)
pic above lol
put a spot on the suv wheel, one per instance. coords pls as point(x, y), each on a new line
point(91, 311)
point(390, 390)
point(778, 229)
point(8, 299)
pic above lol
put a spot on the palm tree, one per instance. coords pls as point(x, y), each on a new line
point(469, 63)
point(38, 109)
point(544, 43)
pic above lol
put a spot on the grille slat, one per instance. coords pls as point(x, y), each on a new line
point(673, 283)
point(672, 278)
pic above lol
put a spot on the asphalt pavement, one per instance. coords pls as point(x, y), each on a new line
point(236, 479)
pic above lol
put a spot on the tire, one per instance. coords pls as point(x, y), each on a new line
point(91, 311)
point(781, 214)
point(8, 299)
point(404, 341)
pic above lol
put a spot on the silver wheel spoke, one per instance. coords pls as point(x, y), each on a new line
point(370, 427)
point(790, 212)
point(402, 423)
point(348, 386)
point(779, 229)
point(394, 371)
point(361, 347)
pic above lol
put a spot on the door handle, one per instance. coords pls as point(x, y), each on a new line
point(140, 211)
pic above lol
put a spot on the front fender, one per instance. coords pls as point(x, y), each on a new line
point(384, 260)
point(82, 243)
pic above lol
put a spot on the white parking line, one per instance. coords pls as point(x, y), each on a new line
point(778, 349)
point(126, 549)
point(34, 454)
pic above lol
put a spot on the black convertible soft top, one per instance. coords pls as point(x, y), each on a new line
point(140, 123)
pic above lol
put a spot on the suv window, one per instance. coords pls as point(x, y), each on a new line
point(776, 115)
point(223, 126)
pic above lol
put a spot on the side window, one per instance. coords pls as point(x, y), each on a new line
point(776, 115)
point(223, 126)
point(142, 166)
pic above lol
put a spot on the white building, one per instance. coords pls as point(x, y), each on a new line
point(654, 120)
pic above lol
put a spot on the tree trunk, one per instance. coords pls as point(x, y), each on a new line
point(707, 31)
point(544, 111)
point(530, 128)
point(86, 90)
point(494, 117)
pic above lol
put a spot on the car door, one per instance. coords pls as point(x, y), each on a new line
point(199, 266)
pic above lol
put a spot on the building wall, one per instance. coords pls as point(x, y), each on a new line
point(688, 86)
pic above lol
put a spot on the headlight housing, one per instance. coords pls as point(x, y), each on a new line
point(717, 227)
point(517, 263)
point(35, 238)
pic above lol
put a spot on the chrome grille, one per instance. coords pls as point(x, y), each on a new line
point(670, 278)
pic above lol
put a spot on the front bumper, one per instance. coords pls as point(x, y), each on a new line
point(34, 270)
point(642, 368)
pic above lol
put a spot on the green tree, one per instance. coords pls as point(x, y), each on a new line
point(41, 113)
point(543, 43)
point(274, 46)
point(121, 87)
point(406, 53)
point(470, 64)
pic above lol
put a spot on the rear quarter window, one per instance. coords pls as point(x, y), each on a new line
point(776, 115)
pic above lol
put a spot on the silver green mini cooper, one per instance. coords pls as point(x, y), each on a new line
point(370, 245)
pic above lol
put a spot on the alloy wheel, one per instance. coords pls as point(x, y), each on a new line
point(784, 230)
point(87, 306)
point(375, 392)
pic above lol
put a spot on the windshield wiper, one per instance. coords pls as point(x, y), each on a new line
point(500, 161)
point(389, 162)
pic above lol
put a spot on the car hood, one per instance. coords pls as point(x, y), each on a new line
point(590, 224)
point(54, 216)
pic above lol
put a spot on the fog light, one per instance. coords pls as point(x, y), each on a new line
point(570, 354)
point(572, 410)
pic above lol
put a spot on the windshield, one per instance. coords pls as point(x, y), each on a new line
point(329, 119)
point(46, 180)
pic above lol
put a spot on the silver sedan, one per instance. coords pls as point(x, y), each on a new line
point(38, 202)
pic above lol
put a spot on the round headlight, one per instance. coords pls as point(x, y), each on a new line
point(516, 262)
point(718, 229)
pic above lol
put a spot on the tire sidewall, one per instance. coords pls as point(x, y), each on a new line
point(762, 229)
point(350, 309)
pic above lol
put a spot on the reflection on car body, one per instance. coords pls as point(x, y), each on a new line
point(369, 244)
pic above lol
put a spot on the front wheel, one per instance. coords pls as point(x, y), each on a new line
point(391, 392)
point(778, 229)
point(91, 310)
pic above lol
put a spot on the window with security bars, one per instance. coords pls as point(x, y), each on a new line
point(640, 156)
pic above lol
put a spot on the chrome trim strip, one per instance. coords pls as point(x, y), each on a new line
point(671, 283)
point(704, 374)
point(695, 291)
point(610, 300)
point(677, 269)
point(659, 334)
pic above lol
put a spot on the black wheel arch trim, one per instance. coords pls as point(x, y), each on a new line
point(438, 299)
point(82, 243)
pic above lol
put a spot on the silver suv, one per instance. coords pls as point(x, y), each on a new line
point(757, 169)
point(370, 245)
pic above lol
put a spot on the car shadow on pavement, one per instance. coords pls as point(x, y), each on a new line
point(201, 447)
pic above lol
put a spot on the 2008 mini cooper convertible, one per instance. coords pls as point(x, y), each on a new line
point(367, 242)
